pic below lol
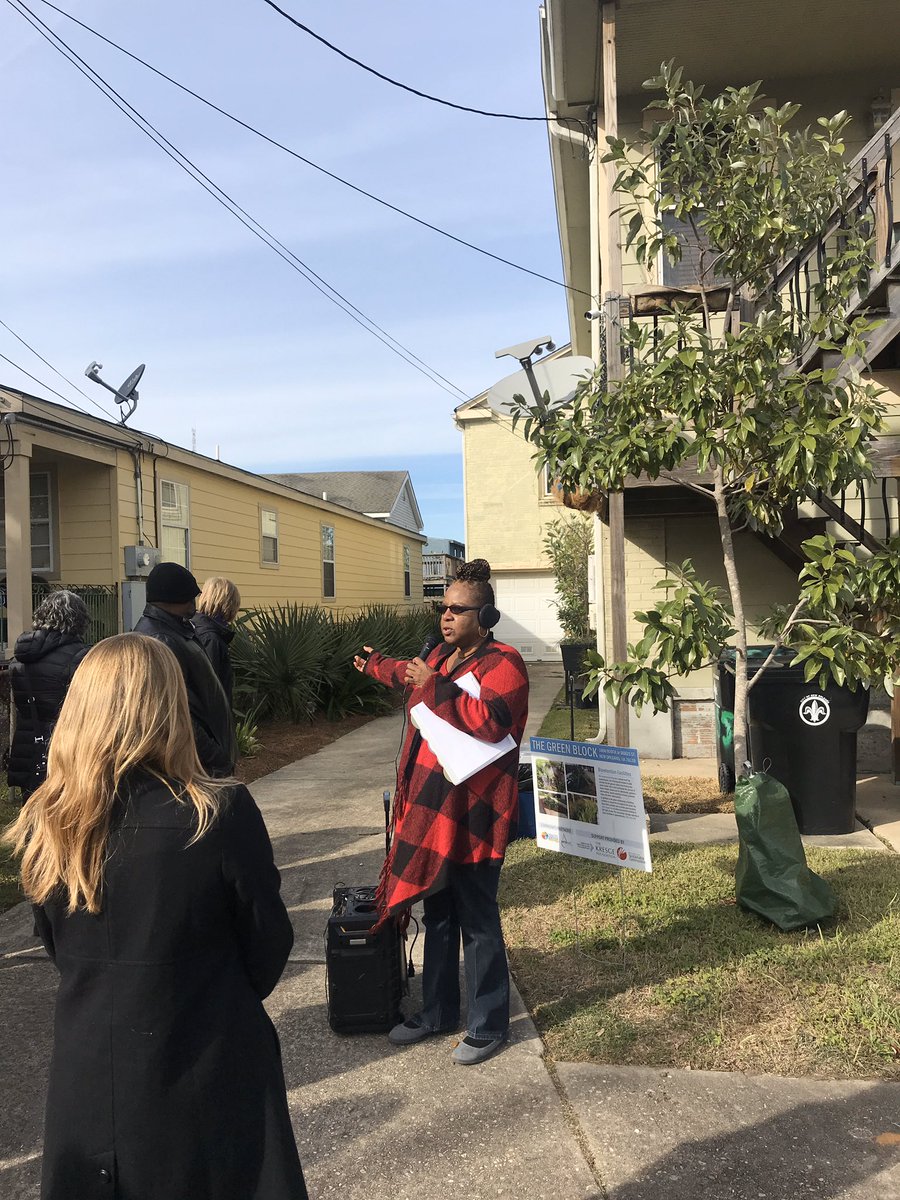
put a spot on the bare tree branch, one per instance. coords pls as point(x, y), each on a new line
point(779, 641)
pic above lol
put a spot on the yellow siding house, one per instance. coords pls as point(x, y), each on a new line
point(86, 500)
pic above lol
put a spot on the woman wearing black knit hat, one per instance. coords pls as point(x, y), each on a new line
point(449, 840)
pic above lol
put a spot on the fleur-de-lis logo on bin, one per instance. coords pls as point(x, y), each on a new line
point(814, 710)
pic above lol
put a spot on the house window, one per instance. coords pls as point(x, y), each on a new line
point(694, 243)
point(328, 562)
point(407, 577)
point(686, 272)
point(174, 520)
point(549, 484)
point(41, 524)
point(268, 520)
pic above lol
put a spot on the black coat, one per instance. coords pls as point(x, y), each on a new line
point(210, 710)
point(45, 661)
point(166, 1080)
point(214, 636)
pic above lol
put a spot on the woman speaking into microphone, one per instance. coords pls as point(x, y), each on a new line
point(448, 840)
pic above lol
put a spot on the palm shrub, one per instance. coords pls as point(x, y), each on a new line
point(345, 690)
point(294, 660)
point(398, 633)
point(277, 655)
point(245, 735)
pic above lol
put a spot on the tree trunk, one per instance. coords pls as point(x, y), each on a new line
point(740, 624)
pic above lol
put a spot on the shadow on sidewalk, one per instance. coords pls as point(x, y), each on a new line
point(821, 1150)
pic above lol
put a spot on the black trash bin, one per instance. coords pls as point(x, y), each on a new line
point(724, 700)
point(573, 656)
point(805, 736)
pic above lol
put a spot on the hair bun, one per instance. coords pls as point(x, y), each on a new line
point(476, 571)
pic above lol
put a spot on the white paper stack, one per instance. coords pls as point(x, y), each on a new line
point(459, 754)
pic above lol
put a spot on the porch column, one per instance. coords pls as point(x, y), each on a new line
point(598, 220)
point(611, 269)
point(17, 489)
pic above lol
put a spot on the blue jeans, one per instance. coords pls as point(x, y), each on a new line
point(467, 906)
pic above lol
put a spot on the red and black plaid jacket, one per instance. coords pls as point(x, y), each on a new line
point(435, 822)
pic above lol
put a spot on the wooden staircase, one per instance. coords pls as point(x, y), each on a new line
point(866, 521)
point(877, 171)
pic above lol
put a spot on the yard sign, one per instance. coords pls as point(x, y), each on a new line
point(588, 801)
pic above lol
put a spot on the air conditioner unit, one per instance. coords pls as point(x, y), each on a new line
point(140, 561)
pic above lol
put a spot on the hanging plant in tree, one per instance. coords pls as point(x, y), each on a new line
point(729, 400)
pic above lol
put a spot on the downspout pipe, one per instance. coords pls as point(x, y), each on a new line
point(137, 459)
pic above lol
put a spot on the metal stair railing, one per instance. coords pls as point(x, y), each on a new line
point(872, 200)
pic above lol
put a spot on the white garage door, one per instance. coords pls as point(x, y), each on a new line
point(529, 618)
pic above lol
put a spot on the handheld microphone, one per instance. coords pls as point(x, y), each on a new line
point(428, 645)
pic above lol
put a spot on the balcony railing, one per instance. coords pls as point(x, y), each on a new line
point(876, 169)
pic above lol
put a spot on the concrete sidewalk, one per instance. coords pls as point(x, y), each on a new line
point(374, 1123)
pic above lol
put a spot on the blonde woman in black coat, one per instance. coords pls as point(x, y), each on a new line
point(158, 899)
point(218, 604)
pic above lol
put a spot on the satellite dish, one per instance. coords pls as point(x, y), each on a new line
point(126, 392)
point(126, 395)
point(559, 377)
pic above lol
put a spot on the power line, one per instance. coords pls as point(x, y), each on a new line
point(308, 161)
point(47, 387)
point(231, 205)
point(106, 412)
point(479, 112)
point(222, 197)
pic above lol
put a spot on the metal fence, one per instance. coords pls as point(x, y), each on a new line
point(101, 599)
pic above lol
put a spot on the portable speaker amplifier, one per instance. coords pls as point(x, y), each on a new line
point(366, 971)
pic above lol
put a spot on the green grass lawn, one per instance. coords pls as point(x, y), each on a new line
point(556, 723)
point(699, 982)
point(10, 892)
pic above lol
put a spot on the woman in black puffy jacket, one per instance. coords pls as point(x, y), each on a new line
point(45, 661)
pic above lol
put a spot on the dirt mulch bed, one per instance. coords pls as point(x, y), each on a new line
point(686, 794)
point(283, 742)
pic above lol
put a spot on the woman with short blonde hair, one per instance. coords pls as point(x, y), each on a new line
point(219, 598)
point(157, 896)
point(217, 606)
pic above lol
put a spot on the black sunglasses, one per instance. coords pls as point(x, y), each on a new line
point(456, 609)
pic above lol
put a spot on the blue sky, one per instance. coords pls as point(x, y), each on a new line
point(110, 252)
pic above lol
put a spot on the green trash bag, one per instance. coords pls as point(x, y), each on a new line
point(772, 877)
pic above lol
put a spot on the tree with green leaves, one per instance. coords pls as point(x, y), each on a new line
point(568, 544)
point(730, 408)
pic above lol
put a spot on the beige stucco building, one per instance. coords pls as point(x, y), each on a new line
point(508, 506)
point(595, 57)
